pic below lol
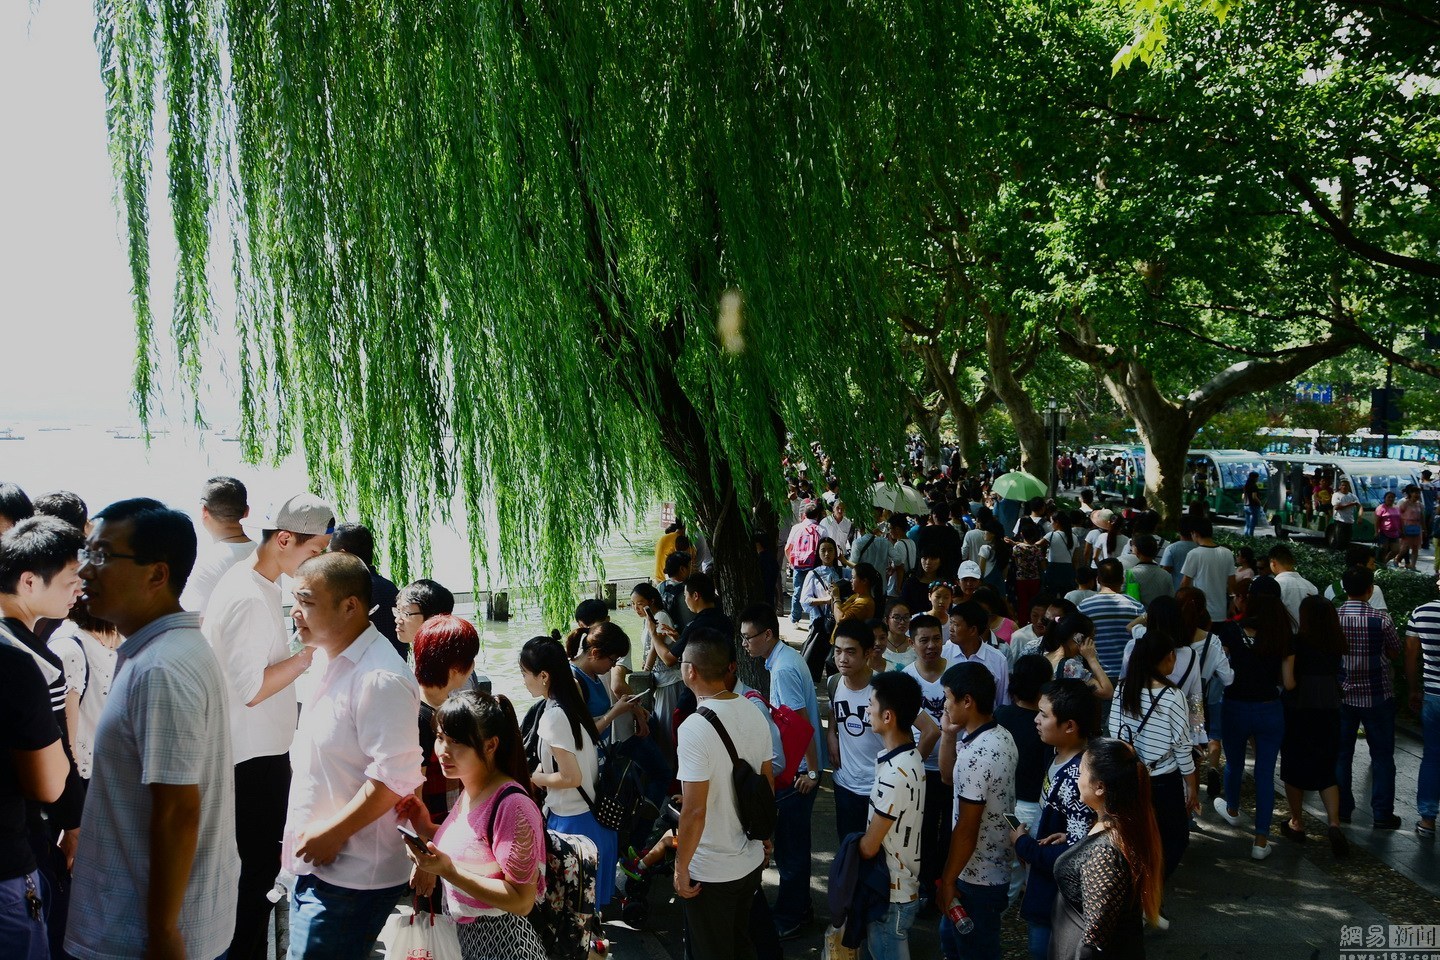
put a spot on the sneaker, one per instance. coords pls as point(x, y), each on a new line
point(1225, 814)
point(1339, 845)
point(1258, 852)
point(1424, 832)
point(1162, 922)
point(1391, 822)
point(1290, 833)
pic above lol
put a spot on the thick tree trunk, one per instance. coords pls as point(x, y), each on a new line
point(737, 566)
point(1029, 426)
point(967, 427)
point(1167, 433)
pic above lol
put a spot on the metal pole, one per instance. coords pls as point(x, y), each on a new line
point(1385, 414)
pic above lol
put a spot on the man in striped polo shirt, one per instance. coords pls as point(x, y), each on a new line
point(1422, 647)
point(1111, 610)
point(1366, 697)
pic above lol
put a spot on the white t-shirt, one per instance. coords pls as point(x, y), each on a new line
point(859, 743)
point(89, 669)
point(1210, 569)
point(1293, 591)
point(985, 774)
point(1344, 505)
point(970, 548)
point(839, 531)
point(1377, 599)
point(932, 701)
point(899, 796)
point(555, 732)
point(246, 629)
point(1099, 541)
point(209, 568)
point(724, 853)
point(1060, 551)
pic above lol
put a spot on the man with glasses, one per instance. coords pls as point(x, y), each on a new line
point(156, 874)
point(416, 603)
point(790, 686)
point(245, 624)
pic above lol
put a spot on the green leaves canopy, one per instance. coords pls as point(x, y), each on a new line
point(480, 247)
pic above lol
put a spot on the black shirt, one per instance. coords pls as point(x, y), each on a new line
point(63, 814)
point(383, 595)
point(1257, 676)
point(27, 724)
point(1033, 754)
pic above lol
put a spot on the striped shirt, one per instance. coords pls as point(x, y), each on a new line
point(1425, 627)
point(1112, 613)
point(1164, 741)
point(1370, 640)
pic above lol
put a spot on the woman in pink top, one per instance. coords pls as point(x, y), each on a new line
point(1387, 528)
point(1412, 526)
point(490, 851)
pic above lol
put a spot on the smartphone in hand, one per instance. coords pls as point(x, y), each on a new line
point(1013, 820)
point(413, 838)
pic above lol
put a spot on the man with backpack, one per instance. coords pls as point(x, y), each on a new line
point(802, 551)
point(728, 808)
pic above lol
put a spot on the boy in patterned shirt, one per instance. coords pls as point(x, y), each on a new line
point(980, 756)
point(1068, 718)
point(897, 803)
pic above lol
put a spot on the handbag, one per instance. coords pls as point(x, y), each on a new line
point(420, 935)
point(1411, 530)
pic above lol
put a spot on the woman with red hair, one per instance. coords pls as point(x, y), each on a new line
point(445, 650)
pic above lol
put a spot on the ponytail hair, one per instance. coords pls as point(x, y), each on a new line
point(471, 718)
point(546, 655)
point(1130, 815)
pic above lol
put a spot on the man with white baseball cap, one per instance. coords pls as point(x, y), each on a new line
point(968, 581)
point(245, 624)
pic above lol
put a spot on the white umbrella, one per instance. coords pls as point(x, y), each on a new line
point(898, 498)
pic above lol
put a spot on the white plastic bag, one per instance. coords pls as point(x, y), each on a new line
point(420, 936)
point(834, 948)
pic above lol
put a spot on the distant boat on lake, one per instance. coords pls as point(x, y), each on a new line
point(8, 434)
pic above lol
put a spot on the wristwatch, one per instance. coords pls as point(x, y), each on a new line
point(812, 776)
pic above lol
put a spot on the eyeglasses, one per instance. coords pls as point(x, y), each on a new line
point(99, 556)
point(404, 614)
point(745, 637)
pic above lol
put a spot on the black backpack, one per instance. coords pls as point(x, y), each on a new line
point(754, 797)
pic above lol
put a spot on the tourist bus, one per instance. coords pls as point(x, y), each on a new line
point(1218, 477)
point(1289, 499)
point(1119, 469)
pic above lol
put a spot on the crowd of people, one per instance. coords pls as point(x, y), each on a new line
point(177, 746)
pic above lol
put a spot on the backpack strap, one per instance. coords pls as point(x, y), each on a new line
point(709, 714)
point(505, 791)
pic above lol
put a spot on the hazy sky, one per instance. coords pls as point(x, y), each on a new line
point(69, 338)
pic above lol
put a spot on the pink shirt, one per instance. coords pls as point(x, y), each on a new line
point(1387, 520)
point(515, 852)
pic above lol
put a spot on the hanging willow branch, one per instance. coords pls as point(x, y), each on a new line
point(480, 246)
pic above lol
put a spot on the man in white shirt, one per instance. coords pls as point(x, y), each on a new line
point(223, 504)
point(717, 867)
point(1293, 587)
point(246, 628)
point(839, 527)
point(854, 744)
point(969, 631)
point(355, 757)
point(1358, 555)
point(1211, 568)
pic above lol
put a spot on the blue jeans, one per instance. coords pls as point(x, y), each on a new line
point(24, 936)
point(1379, 724)
point(797, 583)
point(1265, 721)
point(1427, 793)
point(792, 857)
point(852, 812)
point(889, 937)
point(1039, 943)
point(1252, 517)
point(330, 922)
point(985, 904)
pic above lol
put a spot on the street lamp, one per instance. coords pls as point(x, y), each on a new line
point(1056, 418)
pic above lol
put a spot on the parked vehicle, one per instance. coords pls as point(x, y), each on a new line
point(1218, 477)
point(1290, 496)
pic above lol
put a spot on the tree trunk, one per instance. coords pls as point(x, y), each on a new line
point(1166, 433)
point(1029, 426)
point(737, 566)
point(967, 427)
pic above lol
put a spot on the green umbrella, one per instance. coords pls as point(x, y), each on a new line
point(1018, 485)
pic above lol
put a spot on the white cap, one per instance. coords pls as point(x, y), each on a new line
point(969, 569)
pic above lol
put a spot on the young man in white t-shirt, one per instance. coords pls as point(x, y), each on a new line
point(927, 669)
point(717, 868)
point(223, 505)
point(897, 805)
point(853, 741)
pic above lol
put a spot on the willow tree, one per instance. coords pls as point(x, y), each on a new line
point(555, 255)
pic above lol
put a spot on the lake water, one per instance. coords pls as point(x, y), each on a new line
point(101, 468)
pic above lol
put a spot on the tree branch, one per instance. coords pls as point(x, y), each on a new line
point(1333, 224)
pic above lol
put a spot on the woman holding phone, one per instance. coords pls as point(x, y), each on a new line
point(490, 850)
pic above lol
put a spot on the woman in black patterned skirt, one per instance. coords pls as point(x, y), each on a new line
point(490, 851)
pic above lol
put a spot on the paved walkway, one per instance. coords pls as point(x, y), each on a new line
point(1221, 903)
